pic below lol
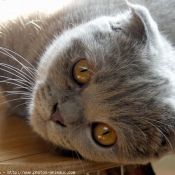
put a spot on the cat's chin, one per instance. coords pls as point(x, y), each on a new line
point(50, 131)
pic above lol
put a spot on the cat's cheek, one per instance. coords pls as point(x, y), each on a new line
point(37, 122)
point(47, 130)
point(38, 125)
point(60, 136)
point(41, 103)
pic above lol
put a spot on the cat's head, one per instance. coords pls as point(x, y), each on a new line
point(100, 90)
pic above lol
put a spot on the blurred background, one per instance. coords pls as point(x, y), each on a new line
point(165, 166)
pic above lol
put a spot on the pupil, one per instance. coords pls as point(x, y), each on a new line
point(106, 133)
point(84, 69)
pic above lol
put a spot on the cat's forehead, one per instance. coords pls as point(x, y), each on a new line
point(100, 24)
point(83, 35)
point(83, 31)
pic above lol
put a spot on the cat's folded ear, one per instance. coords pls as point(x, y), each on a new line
point(141, 25)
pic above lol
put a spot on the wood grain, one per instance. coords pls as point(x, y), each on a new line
point(22, 150)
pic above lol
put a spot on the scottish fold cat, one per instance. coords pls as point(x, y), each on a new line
point(96, 77)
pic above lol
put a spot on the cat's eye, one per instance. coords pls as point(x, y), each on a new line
point(81, 72)
point(103, 134)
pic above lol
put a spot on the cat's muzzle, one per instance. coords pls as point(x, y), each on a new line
point(56, 116)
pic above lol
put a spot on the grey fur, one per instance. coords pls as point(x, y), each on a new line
point(132, 87)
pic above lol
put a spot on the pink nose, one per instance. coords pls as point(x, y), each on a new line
point(56, 117)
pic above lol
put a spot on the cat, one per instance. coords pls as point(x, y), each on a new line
point(96, 77)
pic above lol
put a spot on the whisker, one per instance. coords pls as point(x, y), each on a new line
point(1, 92)
point(80, 162)
point(18, 85)
point(171, 127)
point(30, 89)
point(73, 155)
point(18, 106)
point(52, 149)
point(15, 92)
point(31, 69)
point(162, 123)
point(140, 130)
point(11, 56)
point(12, 74)
point(29, 95)
point(14, 100)
point(161, 133)
point(22, 82)
point(8, 50)
point(19, 71)
point(132, 134)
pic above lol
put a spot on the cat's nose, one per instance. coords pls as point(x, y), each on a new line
point(57, 118)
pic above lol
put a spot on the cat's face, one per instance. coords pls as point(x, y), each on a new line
point(96, 91)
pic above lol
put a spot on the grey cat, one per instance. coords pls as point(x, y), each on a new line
point(97, 77)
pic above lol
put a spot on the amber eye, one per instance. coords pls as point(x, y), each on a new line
point(103, 134)
point(81, 72)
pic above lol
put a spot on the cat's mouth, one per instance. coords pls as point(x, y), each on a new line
point(56, 116)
